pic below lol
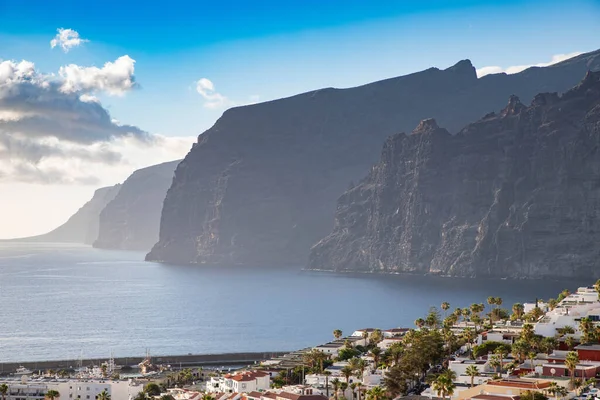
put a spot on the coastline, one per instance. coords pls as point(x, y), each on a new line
point(442, 276)
point(187, 360)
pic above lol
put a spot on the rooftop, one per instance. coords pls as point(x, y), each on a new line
point(594, 347)
point(495, 397)
point(520, 383)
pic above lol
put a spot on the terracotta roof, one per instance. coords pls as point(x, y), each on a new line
point(247, 376)
point(494, 397)
point(270, 395)
point(294, 396)
point(521, 384)
point(397, 330)
point(255, 394)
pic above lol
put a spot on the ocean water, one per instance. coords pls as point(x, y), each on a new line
point(60, 301)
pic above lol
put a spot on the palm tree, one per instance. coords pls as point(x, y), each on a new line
point(577, 384)
point(335, 382)
point(420, 322)
point(444, 385)
point(518, 310)
point(570, 342)
point(376, 353)
point(552, 389)
point(353, 386)
point(361, 389)
point(532, 355)
point(361, 365)
point(498, 301)
point(327, 375)
point(52, 395)
point(587, 329)
point(3, 390)
point(472, 371)
point(376, 393)
point(347, 371)
point(571, 362)
point(501, 352)
point(469, 335)
point(494, 362)
point(103, 395)
point(365, 336)
point(141, 396)
point(445, 306)
point(343, 387)
point(207, 396)
point(337, 334)
point(562, 392)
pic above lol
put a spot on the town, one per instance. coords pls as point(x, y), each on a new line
point(534, 351)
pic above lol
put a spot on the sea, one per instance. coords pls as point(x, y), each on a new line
point(60, 301)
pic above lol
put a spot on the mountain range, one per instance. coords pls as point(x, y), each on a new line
point(515, 194)
point(260, 186)
point(125, 216)
point(302, 180)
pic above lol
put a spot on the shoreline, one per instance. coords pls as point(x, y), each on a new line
point(186, 360)
point(441, 276)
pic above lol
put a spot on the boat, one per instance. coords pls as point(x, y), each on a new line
point(23, 371)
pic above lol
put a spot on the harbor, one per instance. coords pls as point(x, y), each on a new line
point(176, 361)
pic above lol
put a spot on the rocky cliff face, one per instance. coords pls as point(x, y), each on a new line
point(81, 227)
point(131, 220)
point(260, 186)
point(516, 194)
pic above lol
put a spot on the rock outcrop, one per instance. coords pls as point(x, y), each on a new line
point(259, 187)
point(515, 194)
point(81, 227)
point(131, 220)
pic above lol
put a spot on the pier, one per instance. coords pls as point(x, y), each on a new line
point(183, 361)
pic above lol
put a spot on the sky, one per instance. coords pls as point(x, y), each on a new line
point(91, 91)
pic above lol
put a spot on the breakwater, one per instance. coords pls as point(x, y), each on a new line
point(189, 360)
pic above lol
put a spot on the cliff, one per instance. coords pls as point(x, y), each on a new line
point(131, 220)
point(81, 227)
point(259, 187)
point(515, 194)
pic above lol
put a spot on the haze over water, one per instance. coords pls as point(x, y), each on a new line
point(61, 301)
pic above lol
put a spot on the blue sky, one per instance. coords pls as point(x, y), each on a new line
point(272, 49)
point(257, 51)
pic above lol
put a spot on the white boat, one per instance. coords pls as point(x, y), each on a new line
point(23, 371)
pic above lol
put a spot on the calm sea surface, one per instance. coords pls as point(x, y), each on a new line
point(59, 301)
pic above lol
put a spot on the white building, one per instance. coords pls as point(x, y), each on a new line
point(243, 382)
point(460, 368)
point(359, 333)
point(583, 303)
point(332, 348)
point(528, 307)
point(388, 342)
point(395, 332)
point(73, 389)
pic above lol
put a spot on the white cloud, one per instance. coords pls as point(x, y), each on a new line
point(114, 78)
point(67, 39)
point(213, 99)
point(519, 68)
point(54, 130)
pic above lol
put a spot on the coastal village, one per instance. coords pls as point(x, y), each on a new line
point(488, 351)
